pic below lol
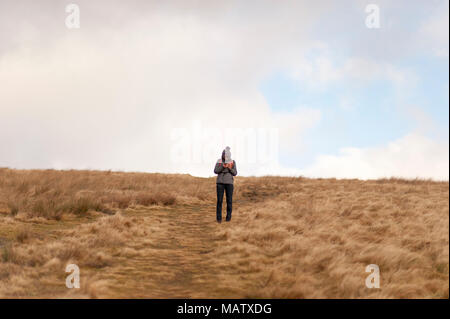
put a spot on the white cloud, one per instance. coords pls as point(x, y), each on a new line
point(412, 156)
point(108, 98)
point(108, 95)
point(434, 31)
point(322, 70)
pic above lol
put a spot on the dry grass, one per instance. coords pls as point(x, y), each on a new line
point(315, 241)
point(154, 235)
point(50, 194)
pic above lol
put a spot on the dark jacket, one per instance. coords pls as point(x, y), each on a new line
point(225, 175)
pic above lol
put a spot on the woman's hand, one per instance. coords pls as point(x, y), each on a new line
point(229, 165)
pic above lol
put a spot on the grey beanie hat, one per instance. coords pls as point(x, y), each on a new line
point(227, 155)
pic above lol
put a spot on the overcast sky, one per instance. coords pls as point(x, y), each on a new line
point(294, 87)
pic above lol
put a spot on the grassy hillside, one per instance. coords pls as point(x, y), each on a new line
point(155, 236)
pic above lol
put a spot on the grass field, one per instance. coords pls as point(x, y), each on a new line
point(155, 236)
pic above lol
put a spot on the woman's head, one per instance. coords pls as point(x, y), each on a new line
point(226, 155)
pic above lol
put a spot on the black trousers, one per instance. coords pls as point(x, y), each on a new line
point(228, 188)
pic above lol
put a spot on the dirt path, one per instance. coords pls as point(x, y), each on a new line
point(175, 261)
point(172, 255)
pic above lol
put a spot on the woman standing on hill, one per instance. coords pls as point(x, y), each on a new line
point(226, 170)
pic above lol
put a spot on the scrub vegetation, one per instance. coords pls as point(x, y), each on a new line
point(155, 236)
